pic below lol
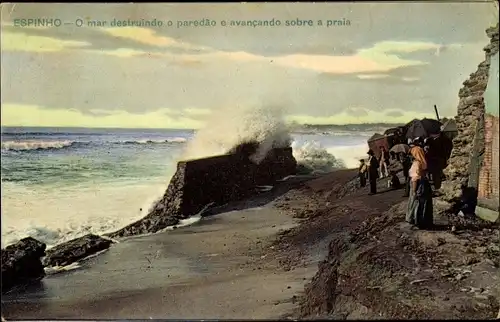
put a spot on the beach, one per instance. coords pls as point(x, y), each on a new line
point(309, 248)
point(97, 181)
point(100, 180)
point(220, 267)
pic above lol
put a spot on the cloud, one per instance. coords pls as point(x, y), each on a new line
point(141, 84)
point(381, 57)
point(393, 56)
point(368, 117)
point(372, 76)
point(410, 79)
point(18, 41)
point(197, 111)
point(120, 52)
point(194, 113)
point(149, 37)
point(357, 112)
point(32, 115)
point(393, 113)
point(368, 60)
point(402, 47)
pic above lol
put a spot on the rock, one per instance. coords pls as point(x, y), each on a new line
point(473, 100)
point(492, 31)
point(216, 181)
point(21, 263)
point(470, 260)
point(494, 248)
point(489, 262)
point(75, 250)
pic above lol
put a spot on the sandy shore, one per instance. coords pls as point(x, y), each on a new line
point(217, 268)
point(320, 248)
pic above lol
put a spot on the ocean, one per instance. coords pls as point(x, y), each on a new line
point(62, 183)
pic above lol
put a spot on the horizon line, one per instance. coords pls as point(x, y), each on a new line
point(167, 128)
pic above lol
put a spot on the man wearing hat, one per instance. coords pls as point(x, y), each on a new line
point(373, 166)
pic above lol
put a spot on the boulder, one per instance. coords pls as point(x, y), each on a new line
point(215, 180)
point(75, 250)
point(21, 263)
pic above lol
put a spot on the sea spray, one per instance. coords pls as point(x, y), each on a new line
point(230, 126)
point(311, 156)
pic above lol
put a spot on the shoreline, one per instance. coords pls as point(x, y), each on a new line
point(319, 248)
point(235, 241)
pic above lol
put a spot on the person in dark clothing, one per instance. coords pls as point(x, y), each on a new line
point(420, 207)
point(394, 183)
point(406, 163)
point(373, 167)
point(435, 161)
point(362, 173)
point(393, 157)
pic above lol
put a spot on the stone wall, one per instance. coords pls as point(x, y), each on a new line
point(216, 180)
point(468, 146)
point(488, 177)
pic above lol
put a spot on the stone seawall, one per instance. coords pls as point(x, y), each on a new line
point(468, 145)
point(216, 180)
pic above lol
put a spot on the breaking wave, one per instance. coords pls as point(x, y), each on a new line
point(311, 156)
point(229, 127)
point(34, 145)
point(239, 127)
point(171, 140)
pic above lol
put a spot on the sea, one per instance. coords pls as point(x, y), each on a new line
point(62, 183)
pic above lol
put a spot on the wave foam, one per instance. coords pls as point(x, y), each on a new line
point(35, 145)
point(162, 141)
point(54, 217)
point(314, 157)
point(350, 154)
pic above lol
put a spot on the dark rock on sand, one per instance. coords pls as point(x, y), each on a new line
point(76, 249)
point(21, 263)
point(215, 180)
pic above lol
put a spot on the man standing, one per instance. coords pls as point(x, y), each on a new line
point(373, 167)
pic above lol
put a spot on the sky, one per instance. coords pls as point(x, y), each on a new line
point(386, 62)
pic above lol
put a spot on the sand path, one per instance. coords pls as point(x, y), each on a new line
point(213, 269)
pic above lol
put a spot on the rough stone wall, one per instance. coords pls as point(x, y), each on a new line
point(468, 145)
point(216, 180)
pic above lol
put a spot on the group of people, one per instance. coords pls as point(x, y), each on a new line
point(377, 168)
point(417, 184)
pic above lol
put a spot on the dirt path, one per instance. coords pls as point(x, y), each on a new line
point(380, 267)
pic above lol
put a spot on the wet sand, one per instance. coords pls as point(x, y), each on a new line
point(213, 269)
